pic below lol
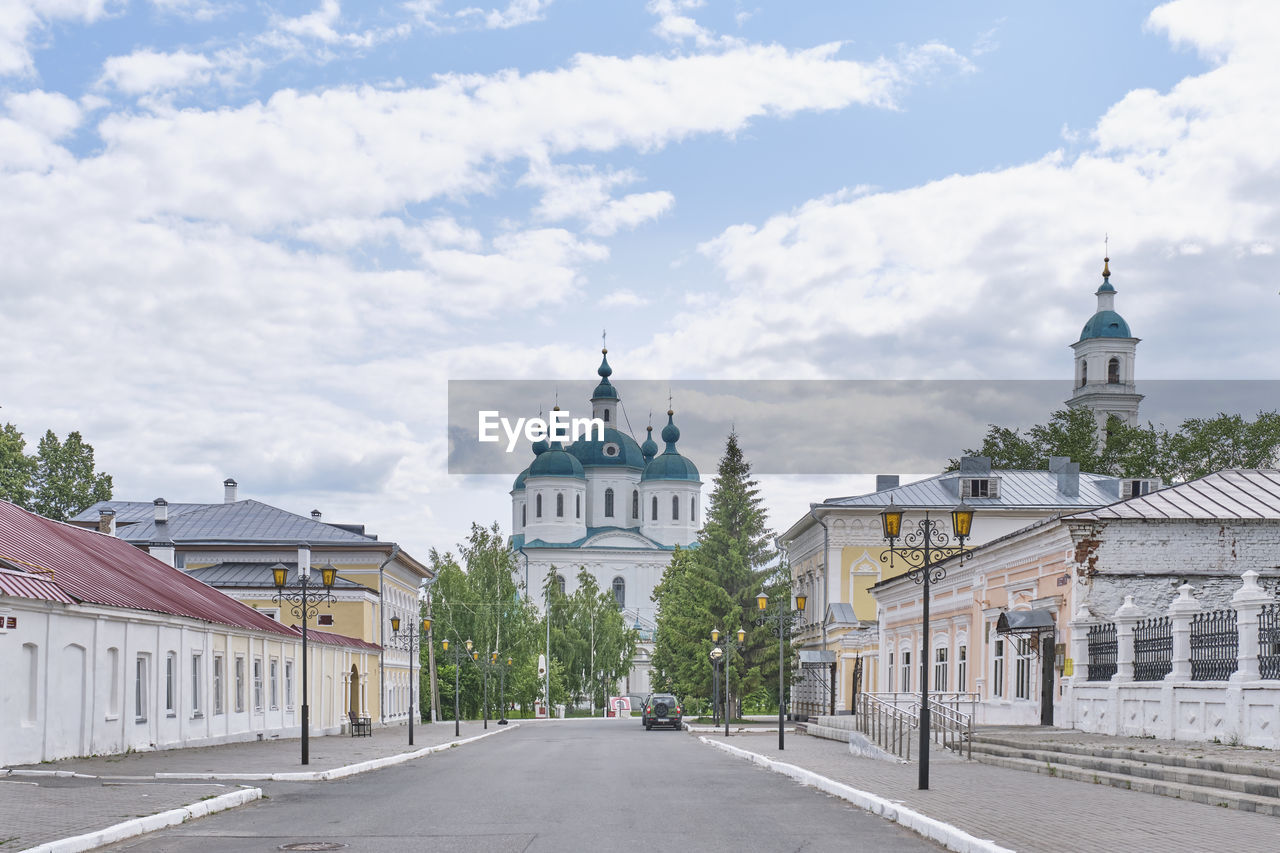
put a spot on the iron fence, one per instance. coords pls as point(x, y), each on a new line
point(1214, 644)
point(1152, 649)
point(1269, 641)
point(1102, 651)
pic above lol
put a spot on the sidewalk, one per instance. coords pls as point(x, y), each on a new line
point(1028, 812)
point(40, 803)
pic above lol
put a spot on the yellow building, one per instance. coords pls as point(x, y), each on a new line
point(233, 546)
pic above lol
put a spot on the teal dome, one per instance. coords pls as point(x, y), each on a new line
point(626, 453)
point(650, 447)
point(541, 446)
point(604, 391)
point(670, 465)
point(519, 486)
point(1105, 324)
point(556, 463)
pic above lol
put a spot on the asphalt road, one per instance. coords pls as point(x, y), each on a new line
point(594, 785)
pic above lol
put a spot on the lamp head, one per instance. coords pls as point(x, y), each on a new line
point(395, 624)
point(742, 636)
point(468, 644)
point(508, 661)
point(328, 574)
point(762, 602)
point(426, 625)
point(444, 644)
point(493, 658)
point(715, 635)
point(801, 601)
point(962, 521)
point(891, 521)
point(475, 656)
point(278, 574)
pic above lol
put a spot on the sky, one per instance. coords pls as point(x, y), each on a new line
point(258, 240)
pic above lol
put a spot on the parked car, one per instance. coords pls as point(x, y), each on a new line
point(662, 709)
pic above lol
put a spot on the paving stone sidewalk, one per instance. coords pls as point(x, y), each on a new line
point(1030, 812)
point(272, 756)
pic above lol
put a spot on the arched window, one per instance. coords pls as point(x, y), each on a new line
point(537, 507)
point(577, 506)
point(653, 516)
point(524, 515)
point(559, 506)
point(620, 592)
point(635, 504)
point(1113, 371)
point(608, 503)
point(559, 582)
point(1084, 373)
point(675, 507)
point(606, 416)
point(693, 509)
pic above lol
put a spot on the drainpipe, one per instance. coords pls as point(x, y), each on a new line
point(825, 586)
point(382, 637)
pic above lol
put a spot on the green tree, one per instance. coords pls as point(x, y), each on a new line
point(64, 480)
point(590, 642)
point(715, 584)
point(16, 467)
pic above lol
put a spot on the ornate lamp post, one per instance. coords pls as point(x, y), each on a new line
point(408, 641)
point(303, 603)
point(781, 618)
point(484, 666)
point(457, 665)
point(721, 653)
point(922, 549)
point(503, 689)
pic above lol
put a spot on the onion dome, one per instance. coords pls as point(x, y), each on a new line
point(541, 446)
point(1106, 323)
point(616, 449)
point(650, 447)
point(605, 390)
point(555, 461)
point(519, 484)
point(670, 465)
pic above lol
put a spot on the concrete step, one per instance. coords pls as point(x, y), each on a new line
point(1270, 770)
point(1193, 793)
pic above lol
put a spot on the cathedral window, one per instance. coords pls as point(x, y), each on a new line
point(620, 592)
point(1113, 371)
point(577, 506)
point(606, 416)
point(675, 507)
point(558, 580)
point(635, 504)
point(1084, 373)
point(608, 503)
point(559, 506)
point(537, 507)
point(693, 509)
point(524, 515)
point(653, 516)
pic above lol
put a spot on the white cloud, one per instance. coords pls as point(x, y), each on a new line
point(20, 20)
point(583, 193)
point(518, 12)
point(145, 71)
point(622, 299)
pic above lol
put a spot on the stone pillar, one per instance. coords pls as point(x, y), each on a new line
point(1248, 602)
point(1180, 612)
point(1126, 619)
point(1080, 624)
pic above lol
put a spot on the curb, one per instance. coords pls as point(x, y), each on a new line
point(951, 837)
point(150, 823)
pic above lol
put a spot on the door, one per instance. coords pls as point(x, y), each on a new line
point(1046, 680)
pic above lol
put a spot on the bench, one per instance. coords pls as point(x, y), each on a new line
point(360, 726)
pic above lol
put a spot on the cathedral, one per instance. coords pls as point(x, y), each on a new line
point(611, 505)
point(1105, 354)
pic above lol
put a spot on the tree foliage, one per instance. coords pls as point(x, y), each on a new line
point(57, 481)
point(590, 642)
point(715, 584)
point(1199, 446)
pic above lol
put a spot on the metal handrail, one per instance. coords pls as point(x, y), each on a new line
point(951, 728)
point(887, 724)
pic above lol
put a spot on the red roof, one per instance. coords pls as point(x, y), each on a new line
point(27, 585)
point(96, 568)
point(328, 638)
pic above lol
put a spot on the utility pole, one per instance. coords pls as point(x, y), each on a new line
point(431, 661)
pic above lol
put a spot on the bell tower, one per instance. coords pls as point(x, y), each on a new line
point(1105, 358)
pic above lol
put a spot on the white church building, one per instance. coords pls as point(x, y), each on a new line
point(613, 506)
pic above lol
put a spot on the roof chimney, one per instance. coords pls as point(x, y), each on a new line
point(886, 481)
point(162, 551)
point(1068, 473)
point(107, 521)
point(229, 491)
point(315, 514)
point(162, 510)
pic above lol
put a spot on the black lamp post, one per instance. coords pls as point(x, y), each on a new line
point(923, 548)
point(484, 669)
point(457, 666)
point(304, 604)
point(503, 690)
point(721, 653)
point(779, 621)
point(408, 641)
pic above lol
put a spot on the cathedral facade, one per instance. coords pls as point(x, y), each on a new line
point(613, 506)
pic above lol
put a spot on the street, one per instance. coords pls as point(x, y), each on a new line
point(549, 786)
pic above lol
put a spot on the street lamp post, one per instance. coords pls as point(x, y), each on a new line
point(922, 550)
point(408, 641)
point(722, 651)
point(457, 666)
point(503, 690)
point(779, 621)
point(304, 604)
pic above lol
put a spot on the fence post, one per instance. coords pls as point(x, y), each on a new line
point(1079, 649)
point(1248, 602)
point(1180, 612)
point(1126, 619)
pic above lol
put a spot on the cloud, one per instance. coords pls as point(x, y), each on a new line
point(20, 20)
point(518, 12)
point(146, 71)
point(583, 193)
point(622, 299)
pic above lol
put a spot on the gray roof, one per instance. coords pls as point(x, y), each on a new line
point(841, 613)
point(1232, 494)
point(1017, 490)
point(258, 576)
point(246, 521)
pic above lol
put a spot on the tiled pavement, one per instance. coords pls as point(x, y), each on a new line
point(1030, 812)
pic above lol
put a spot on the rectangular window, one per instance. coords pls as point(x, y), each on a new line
point(140, 690)
point(275, 684)
point(196, 676)
point(113, 699)
point(1022, 677)
point(257, 684)
point(239, 684)
point(997, 672)
point(889, 686)
point(217, 684)
point(325, 619)
point(906, 672)
point(962, 669)
point(171, 683)
point(940, 670)
point(288, 684)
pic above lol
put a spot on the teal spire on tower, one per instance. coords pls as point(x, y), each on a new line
point(650, 447)
point(605, 390)
point(671, 432)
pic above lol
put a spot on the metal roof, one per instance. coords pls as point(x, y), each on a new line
point(245, 521)
point(1023, 621)
point(258, 576)
point(1017, 490)
point(841, 613)
point(129, 512)
point(26, 585)
point(1236, 493)
point(92, 567)
point(328, 638)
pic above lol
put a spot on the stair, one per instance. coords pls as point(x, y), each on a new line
point(1236, 785)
